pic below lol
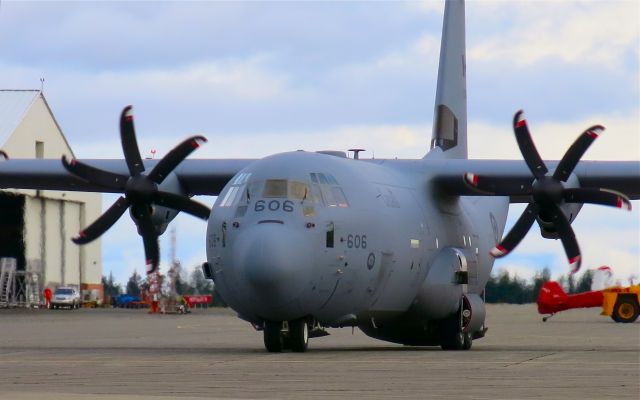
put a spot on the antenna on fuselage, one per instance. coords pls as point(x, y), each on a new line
point(356, 153)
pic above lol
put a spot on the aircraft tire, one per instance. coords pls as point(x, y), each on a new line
point(299, 335)
point(468, 341)
point(626, 309)
point(451, 336)
point(273, 336)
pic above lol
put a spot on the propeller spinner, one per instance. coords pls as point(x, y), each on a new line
point(140, 190)
point(547, 192)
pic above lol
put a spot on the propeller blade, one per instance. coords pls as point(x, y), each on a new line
point(129, 142)
point(91, 174)
point(175, 157)
point(527, 147)
point(604, 197)
point(576, 151)
point(568, 238)
point(182, 203)
point(149, 238)
point(517, 232)
point(496, 186)
point(104, 222)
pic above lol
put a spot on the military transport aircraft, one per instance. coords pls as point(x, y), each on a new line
point(302, 241)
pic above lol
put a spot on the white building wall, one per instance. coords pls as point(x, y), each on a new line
point(38, 125)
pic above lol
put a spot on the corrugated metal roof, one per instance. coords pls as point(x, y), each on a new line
point(13, 107)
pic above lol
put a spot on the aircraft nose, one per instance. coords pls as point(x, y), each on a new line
point(276, 263)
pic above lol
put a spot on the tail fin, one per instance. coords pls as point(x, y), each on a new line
point(450, 114)
point(551, 298)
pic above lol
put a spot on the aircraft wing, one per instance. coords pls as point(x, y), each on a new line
point(208, 176)
point(197, 176)
point(513, 176)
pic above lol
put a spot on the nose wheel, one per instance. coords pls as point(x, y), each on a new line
point(292, 335)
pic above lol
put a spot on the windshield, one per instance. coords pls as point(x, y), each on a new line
point(285, 189)
point(64, 291)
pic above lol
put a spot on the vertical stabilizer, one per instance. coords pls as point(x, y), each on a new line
point(450, 114)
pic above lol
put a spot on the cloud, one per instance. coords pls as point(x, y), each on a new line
point(602, 33)
point(620, 141)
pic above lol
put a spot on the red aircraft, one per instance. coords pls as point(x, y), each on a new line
point(622, 304)
point(553, 299)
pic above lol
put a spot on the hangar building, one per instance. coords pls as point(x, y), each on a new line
point(36, 226)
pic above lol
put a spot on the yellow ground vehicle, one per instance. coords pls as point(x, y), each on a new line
point(621, 304)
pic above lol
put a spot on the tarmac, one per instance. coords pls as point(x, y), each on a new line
point(128, 354)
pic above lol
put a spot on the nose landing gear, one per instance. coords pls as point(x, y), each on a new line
point(293, 335)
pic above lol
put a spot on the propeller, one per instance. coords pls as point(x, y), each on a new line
point(140, 190)
point(547, 193)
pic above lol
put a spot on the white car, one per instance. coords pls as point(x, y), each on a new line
point(65, 297)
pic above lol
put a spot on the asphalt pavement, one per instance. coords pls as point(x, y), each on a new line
point(129, 354)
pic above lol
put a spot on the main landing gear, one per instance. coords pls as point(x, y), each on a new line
point(453, 336)
point(291, 335)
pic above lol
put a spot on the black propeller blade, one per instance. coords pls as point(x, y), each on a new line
point(140, 190)
point(547, 193)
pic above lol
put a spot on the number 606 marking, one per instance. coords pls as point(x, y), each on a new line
point(273, 205)
point(357, 241)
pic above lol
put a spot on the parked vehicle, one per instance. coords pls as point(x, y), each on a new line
point(65, 296)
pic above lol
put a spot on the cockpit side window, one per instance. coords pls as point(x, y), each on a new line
point(331, 193)
point(236, 190)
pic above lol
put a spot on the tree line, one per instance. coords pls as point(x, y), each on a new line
point(501, 287)
point(504, 288)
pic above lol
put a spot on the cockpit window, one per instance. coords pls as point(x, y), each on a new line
point(331, 193)
point(298, 190)
point(275, 188)
point(284, 189)
point(236, 190)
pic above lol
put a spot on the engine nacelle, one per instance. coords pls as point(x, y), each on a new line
point(161, 216)
point(441, 292)
point(570, 210)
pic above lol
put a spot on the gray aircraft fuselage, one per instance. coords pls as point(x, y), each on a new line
point(342, 240)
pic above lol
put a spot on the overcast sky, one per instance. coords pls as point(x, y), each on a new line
point(258, 78)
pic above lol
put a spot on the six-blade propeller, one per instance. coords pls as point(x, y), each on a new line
point(140, 190)
point(547, 192)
